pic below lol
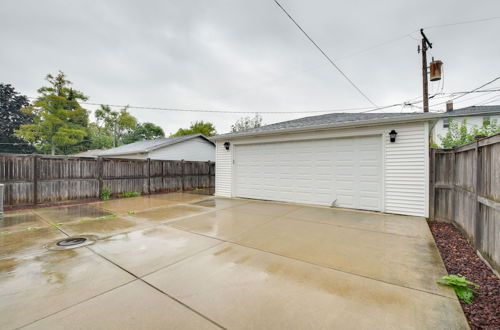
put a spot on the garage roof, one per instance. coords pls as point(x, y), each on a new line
point(333, 120)
point(148, 145)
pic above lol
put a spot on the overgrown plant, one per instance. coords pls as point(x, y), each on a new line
point(461, 286)
point(334, 204)
point(105, 193)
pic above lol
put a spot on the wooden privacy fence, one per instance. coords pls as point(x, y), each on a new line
point(37, 179)
point(465, 189)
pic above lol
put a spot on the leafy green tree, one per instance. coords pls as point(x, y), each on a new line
point(98, 137)
point(245, 123)
point(118, 123)
point(459, 134)
point(198, 127)
point(144, 131)
point(11, 118)
point(58, 119)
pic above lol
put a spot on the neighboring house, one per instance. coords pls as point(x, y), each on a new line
point(194, 147)
point(88, 153)
point(344, 160)
point(475, 116)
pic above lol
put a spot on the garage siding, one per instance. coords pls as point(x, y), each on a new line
point(223, 170)
point(405, 162)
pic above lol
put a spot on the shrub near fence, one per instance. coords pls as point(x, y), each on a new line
point(465, 189)
point(38, 179)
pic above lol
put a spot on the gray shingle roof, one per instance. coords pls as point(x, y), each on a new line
point(148, 145)
point(334, 119)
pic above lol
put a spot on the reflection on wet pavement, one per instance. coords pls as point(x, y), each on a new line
point(71, 213)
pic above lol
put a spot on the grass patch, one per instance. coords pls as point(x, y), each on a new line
point(33, 228)
point(104, 217)
point(130, 194)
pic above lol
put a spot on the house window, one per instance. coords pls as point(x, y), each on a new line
point(446, 122)
point(486, 120)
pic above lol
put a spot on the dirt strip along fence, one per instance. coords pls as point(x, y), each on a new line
point(41, 179)
point(465, 190)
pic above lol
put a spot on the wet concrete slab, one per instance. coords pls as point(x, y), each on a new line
point(179, 197)
point(144, 251)
point(388, 223)
point(132, 306)
point(20, 220)
point(27, 241)
point(267, 208)
point(132, 204)
point(223, 224)
point(39, 285)
point(169, 213)
point(242, 288)
point(61, 214)
point(406, 261)
point(220, 203)
point(104, 227)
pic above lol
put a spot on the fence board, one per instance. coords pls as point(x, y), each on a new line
point(466, 191)
point(31, 179)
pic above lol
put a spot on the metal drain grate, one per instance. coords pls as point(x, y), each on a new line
point(72, 241)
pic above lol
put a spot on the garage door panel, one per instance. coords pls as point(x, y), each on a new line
point(316, 172)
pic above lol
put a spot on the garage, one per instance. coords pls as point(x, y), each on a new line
point(344, 172)
point(366, 161)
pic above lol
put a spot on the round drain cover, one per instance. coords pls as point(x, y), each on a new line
point(71, 241)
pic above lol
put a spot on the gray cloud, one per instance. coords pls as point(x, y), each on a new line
point(242, 55)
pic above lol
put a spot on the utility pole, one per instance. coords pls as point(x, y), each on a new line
point(425, 43)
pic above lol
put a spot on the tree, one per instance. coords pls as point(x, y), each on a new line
point(245, 123)
point(98, 137)
point(459, 134)
point(58, 119)
point(117, 123)
point(198, 127)
point(144, 131)
point(11, 118)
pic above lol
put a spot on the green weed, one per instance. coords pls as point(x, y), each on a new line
point(130, 194)
point(461, 286)
point(105, 193)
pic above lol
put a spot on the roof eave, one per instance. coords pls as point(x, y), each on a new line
point(359, 123)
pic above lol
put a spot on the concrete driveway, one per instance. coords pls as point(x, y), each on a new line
point(184, 261)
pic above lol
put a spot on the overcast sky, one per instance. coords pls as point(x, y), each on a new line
point(246, 55)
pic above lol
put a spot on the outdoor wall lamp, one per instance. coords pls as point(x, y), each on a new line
point(226, 145)
point(392, 135)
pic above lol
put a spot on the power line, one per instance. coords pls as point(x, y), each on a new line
point(472, 91)
point(325, 55)
point(463, 22)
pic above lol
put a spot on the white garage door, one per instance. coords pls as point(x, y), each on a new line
point(347, 171)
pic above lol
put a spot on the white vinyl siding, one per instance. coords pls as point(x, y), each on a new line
point(404, 186)
point(223, 170)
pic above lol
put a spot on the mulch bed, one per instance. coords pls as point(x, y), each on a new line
point(461, 259)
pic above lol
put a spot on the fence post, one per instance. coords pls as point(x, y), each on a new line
point(477, 187)
point(182, 175)
point(208, 176)
point(149, 176)
point(432, 181)
point(99, 176)
point(35, 179)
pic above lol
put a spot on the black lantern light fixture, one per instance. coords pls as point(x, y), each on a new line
point(392, 135)
point(226, 145)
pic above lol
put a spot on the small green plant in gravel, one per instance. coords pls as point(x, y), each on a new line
point(105, 193)
point(461, 286)
point(130, 194)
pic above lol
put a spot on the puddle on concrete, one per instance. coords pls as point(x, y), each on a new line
point(27, 241)
point(126, 205)
point(71, 213)
point(104, 227)
point(178, 197)
point(14, 221)
point(219, 203)
point(166, 213)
